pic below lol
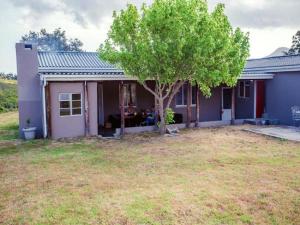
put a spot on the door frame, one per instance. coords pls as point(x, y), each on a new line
point(255, 99)
point(222, 106)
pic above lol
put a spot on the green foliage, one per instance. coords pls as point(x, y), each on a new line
point(8, 76)
point(8, 96)
point(55, 41)
point(173, 40)
point(295, 49)
point(169, 116)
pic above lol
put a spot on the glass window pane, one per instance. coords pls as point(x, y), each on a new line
point(76, 104)
point(247, 90)
point(185, 94)
point(126, 98)
point(64, 97)
point(64, 104)
point(76, 96)
point(194, 95)
point(133, 94)
point(76, 111)
point(179, 97)
point(241, 89)
point(64, 112)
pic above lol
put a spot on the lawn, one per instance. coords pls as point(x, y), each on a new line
point(205, 176)
point(8, 95)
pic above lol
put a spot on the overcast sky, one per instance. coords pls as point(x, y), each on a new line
point(271, 23)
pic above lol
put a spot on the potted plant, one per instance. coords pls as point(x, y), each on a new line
point(29, 132)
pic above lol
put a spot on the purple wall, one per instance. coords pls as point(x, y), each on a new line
point(210, 108)
point(73, 126)
point(93, 108)
point(282, 93)
point(145, 100)
point(66, 126)
point(244, 106)
point(29, 89)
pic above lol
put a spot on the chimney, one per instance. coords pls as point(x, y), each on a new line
point(29, 90)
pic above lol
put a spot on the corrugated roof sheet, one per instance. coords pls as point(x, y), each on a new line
point(74, 63)
point(85, 63)
point(274, 64)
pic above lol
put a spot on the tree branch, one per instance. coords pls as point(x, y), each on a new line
point(175, 90)
point(150, 90)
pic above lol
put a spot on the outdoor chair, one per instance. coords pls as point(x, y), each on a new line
point(296, 114)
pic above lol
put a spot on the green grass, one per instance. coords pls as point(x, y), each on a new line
point(8, 95)
point(206, 176)
point(9, 126)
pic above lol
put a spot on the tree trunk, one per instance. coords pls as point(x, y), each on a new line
point(162, 125)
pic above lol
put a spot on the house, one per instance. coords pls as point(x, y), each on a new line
point(71, 94)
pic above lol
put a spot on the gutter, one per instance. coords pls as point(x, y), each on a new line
point(61, 77)
point(256, 76)
point(44, 84)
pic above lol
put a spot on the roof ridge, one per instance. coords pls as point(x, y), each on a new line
point(272, 57)
point(42, 51)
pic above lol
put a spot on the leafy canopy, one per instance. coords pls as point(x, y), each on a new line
point(173, 40)
point(56, 41)
point(295, 49)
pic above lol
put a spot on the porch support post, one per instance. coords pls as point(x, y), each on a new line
point(48, 109)
point(233, 106)
point(189, 102)
point(122, 108)
point(156, 105)
point(86, 109)
point(197, 106)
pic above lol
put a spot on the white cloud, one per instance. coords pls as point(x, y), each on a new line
point(271, 23)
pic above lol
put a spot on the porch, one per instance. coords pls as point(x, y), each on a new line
point(108, 107)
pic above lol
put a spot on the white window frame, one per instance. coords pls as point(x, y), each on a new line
point(183, 97)
point(126, 105)
point(71, 103)
point(246, 84)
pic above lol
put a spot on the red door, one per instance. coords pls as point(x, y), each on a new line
point(260, 98)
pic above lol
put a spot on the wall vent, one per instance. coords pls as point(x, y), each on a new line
point(28, 46)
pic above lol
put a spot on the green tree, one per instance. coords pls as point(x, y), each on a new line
point(174, 41)
point(55, 41)
point(295, 49)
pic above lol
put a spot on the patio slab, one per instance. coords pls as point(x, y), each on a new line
point(283, 132)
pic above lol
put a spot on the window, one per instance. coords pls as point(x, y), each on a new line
point(181, 96)
point(244, 89)
point(69, 104)
point(130, 95)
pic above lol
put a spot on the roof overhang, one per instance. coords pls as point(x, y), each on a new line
point(51, 70)
point(256, 76)
point(273, 69)
point(110, 77)
point(63, 77)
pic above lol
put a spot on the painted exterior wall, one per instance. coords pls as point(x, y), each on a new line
point(145, 100)
point(210, 108)
point(66, 126)
point(93, 108)
point(73, 126)
point(244, 107)
point(282, 93)
point(29, 89)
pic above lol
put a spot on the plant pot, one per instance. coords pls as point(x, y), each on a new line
point(29, 133)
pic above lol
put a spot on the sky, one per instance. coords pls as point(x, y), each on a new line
point(271, 23)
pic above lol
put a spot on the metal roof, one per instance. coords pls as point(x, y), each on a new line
point(80, 64)
point(74, 63)
point(273, 64)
